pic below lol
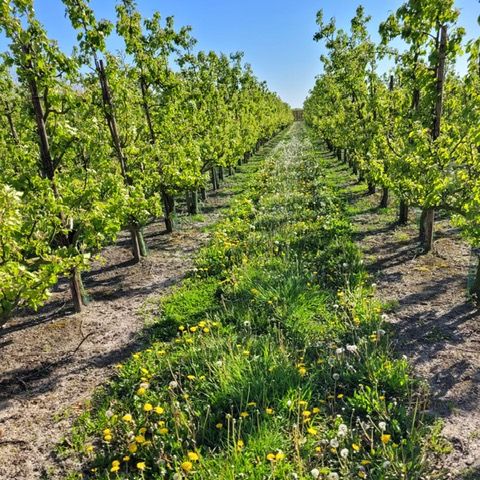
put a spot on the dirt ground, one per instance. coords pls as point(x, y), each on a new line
point(434, 323)
point(52, 360)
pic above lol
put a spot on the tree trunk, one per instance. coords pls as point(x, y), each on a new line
point(168, 210)
point(135, 243)
point(203, 194)
point(221, 174)
point(230, 170)
point(371, 188)
point(475, 288)
point(78, 291)
point(384, 200)
point(192, 202)
point(213, 178)
point(403, 213)
point(429, 219)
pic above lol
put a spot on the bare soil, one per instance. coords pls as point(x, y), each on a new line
point(434, 322)
point(52, 360)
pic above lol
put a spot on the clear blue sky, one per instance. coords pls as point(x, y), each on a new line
point(276, 35)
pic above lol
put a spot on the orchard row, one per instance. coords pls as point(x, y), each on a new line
point(95, 142)
point(414, 132)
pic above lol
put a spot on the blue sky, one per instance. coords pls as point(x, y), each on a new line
point(276, 35)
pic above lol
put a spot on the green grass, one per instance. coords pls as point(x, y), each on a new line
point(270, 361)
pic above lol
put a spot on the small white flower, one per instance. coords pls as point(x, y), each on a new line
point(289, 403)
point(333, 476)
point(246, 323)
point(315, 472)
point(109, 414)
point(386, 464)
point(381, 333)
point(177, 476)
point(339, 351)
point(336, 376)
point(173, 384)
point(334, 442)
point(335, 306)
point(352, 348)
point(342, 430)
point(344, 453)
point(218, 363)
point(382, 426)
point(374, 285)
point(384, 317)
point(344, 265)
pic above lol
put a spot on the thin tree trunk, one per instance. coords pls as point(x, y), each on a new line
point(168, 210)
point(221, 174)
point(475, 288)
point(214, 178)
point(371, 188)
point(192, 202)
point(203, 194)
point(230, 170)
point(428, 228)
point(384, 200)
point(403, 212)
point(78, 291)
point(135, 243)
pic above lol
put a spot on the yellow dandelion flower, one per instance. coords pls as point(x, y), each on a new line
point(385, 438)
point(181, 328)
point(141, 466)
point(189, 340)
point(159, 410)
point(89, 448)
point(163, 431)
point(126, 458)
point(269, 411)
point(219, 426)
point(271, 457)
point(246, 353)
point(318, 449)
point(303, 403)
point(279, 456)
point(187, 466)
point(240, 444)
point(251, 404)
point(302, 371)
point(340, 395)
point(312, 431)
point(202, 324)
point(127, 418)
point(132, 448)
point(193, 456)
point(115, 463)
point(362, 474)
point(315, 410)
point(206, 330)
point(115, 469)
point(193, 329)
point(140, 439)
point(356, 447)
point(142, 431)
point(148, 407)
point(306, 413)
point(141, 391)
point(191, 377)
point(107, 438)
point(365, 462)
point(244, 414)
